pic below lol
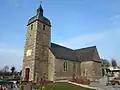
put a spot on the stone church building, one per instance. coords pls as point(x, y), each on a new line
point(44, 59)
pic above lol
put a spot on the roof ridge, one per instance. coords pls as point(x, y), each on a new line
point(86, 48)
point(62, 46)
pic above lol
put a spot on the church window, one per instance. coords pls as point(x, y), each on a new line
point(32, 27)
point(43, 26)
point(65, 66)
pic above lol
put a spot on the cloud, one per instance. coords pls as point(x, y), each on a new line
point(110, 45)
point(10, 50)
point(11, 56)
point(4, 47)
point(83, 40)
point(115, 19)
point(15, 3)
point(107, 43)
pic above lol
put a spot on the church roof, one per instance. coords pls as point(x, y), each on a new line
point(88, 53)
point(62, 52)
point(83, 54)
point(86, 49)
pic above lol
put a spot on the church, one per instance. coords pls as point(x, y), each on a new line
point(50, 61)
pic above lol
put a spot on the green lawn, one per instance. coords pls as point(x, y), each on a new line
point(63, 86)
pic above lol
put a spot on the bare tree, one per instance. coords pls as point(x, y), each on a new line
point(6, 68)
point(105, 62)
point(13, 69)
point(20, 73)
point(114, 63)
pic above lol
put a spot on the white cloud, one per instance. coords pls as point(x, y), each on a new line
point(10, 56)
point(83, 40)
point(107, 43)
point(11, 50)
point(115, 19)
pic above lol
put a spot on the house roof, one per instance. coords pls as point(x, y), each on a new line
point(62, 52)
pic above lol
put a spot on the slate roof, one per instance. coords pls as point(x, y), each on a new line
point(62, 52)
point(41, 19)
point(84, 54)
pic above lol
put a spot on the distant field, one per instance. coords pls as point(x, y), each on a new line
point(63, 86)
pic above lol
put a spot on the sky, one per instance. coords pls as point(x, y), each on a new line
point(75, 24)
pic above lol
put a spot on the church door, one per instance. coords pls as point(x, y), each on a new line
point(27, 71)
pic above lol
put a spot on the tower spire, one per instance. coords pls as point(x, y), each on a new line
point(40, 2)
point(40, 9)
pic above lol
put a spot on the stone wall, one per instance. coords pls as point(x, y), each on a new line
point(59, 69)
point(98, 68)
point(29, 61)
point(87, 68)
point(91, 68)
point(51, 66)
point(77, 68)
point(38, 41)
point(42, 51)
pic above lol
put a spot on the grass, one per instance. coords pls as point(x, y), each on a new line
point(63, 86)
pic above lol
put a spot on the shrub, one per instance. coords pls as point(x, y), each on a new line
point(21, 87)
point(81, 80)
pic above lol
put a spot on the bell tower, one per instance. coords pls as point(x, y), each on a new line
point(38, 39)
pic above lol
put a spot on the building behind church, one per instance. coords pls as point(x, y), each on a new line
point(44, 59)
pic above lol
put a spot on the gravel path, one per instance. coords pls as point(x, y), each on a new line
point(102, 85)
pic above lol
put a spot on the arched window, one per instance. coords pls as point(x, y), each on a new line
point(65, 65)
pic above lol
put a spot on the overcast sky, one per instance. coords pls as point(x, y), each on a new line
point(75, 24)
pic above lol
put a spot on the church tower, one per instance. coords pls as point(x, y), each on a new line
point(38, 39)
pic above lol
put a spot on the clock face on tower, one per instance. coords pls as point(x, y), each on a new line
point(29, 52)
